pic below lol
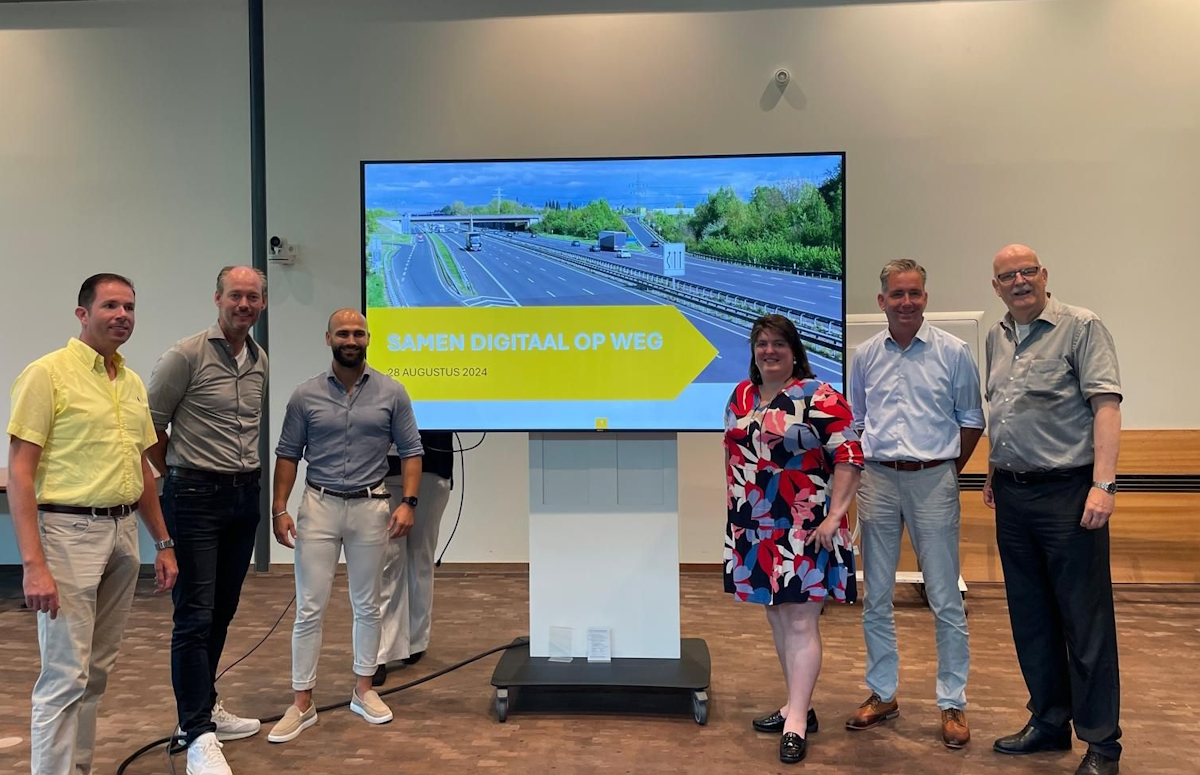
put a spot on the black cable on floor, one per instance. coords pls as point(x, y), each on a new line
point(174, 744)
point(334, 706)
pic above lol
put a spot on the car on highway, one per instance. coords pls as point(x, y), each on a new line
point(420, 238)
point(594, 248)
point(576, 243)
point(624, 254)
point(656, 244)
point(533, 235)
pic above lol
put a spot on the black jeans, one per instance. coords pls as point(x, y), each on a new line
point(214, 527)
point(1060, 603)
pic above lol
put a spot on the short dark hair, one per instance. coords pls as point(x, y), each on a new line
point(780, 325)
point(87, 291)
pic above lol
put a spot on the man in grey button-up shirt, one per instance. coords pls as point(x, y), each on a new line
point(342, 422)
point(209, 390)
point(1055, 395)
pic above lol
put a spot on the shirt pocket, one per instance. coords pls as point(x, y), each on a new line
point(1047, 378)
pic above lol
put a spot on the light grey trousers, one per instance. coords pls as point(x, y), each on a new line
point(927, 503)
point(325, 525)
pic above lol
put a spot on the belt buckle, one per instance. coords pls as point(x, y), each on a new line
point(1021, 477)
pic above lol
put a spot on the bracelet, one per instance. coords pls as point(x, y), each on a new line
point(280, 514)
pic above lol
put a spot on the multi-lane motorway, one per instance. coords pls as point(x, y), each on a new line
point(507, 272)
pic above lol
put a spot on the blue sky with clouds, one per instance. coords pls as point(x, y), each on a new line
point(425, 186)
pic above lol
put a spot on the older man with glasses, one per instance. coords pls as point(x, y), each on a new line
point(1054, 390)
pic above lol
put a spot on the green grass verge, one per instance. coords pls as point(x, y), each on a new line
point(451, 266)
point(376, 295)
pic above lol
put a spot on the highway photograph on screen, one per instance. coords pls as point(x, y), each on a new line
point(596, 294)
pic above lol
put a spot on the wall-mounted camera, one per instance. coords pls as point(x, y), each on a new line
point(279, 251)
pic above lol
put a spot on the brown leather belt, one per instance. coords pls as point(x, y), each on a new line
point(909, 465)
point(111, 511)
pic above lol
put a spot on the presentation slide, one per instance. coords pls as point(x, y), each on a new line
point(596, 294)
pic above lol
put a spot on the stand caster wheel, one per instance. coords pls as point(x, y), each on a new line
point(502, 705)
point(700, 707)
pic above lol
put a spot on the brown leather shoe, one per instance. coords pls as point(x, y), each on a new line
point(873, 711)
point(955, 732)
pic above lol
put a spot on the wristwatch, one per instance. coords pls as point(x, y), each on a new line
point(168, 543)
point(411, 500)
point(1108, 487)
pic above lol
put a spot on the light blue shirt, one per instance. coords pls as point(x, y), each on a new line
point(345, 438)
point(909, 404)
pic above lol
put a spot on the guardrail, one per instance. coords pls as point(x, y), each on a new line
point(814, 329)
point(739, 262)
point(786, 270)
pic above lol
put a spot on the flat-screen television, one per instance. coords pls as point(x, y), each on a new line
point(599, 293)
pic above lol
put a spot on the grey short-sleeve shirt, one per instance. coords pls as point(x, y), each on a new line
point(1039, 389)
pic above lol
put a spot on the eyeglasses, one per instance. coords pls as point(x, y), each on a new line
point(1028, 272)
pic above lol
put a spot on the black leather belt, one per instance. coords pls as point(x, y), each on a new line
point(366, 492)
point(909, 465)
point(110, 511)
point(212, 477)
point(1037, 477)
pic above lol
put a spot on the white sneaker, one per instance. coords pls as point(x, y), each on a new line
point(231, 727)
point(204, 757)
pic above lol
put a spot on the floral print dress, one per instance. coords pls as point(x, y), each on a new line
point(779, 475)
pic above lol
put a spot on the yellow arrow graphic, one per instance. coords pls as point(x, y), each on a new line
point(538, 353)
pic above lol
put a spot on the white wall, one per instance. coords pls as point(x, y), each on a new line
point(1072, 125)
point(124, 147)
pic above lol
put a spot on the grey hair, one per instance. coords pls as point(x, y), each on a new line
point(899, 266)
point(227, 269)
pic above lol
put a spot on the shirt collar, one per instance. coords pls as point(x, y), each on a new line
point(1051, 313)
point(216, 334)
point(922, 334)
point(332, 378)
point(90, 358)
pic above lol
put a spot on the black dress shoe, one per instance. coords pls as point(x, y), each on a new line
point(1031, 740)
point(413, 659)
point(1095, 764)
point(380, 676)
point(772, 723)
point(792, 748)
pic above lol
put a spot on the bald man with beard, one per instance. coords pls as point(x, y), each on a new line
point(342, 422)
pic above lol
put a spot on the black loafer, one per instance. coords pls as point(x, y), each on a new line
point(1031, 740)
point(772, 723)
point(380, 676)
point(792, 748)
point(413, 659)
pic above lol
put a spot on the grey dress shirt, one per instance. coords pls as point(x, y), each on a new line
point(214, 407)
point(1039, 389)
point(345, 437)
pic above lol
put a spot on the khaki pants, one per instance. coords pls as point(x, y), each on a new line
point(94, 561)
point(407, 602)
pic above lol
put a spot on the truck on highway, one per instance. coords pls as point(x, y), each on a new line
point(611, 240)
point(474, 241)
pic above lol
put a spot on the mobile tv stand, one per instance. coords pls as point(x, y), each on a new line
point(624, 685)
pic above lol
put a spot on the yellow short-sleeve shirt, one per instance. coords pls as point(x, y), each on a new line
point(92, 430)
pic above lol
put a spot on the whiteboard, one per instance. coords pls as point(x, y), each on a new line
point(967, 326)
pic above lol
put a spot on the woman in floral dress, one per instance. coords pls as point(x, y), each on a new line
point(793, 461)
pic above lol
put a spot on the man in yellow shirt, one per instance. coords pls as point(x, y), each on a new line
point(79, 429)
